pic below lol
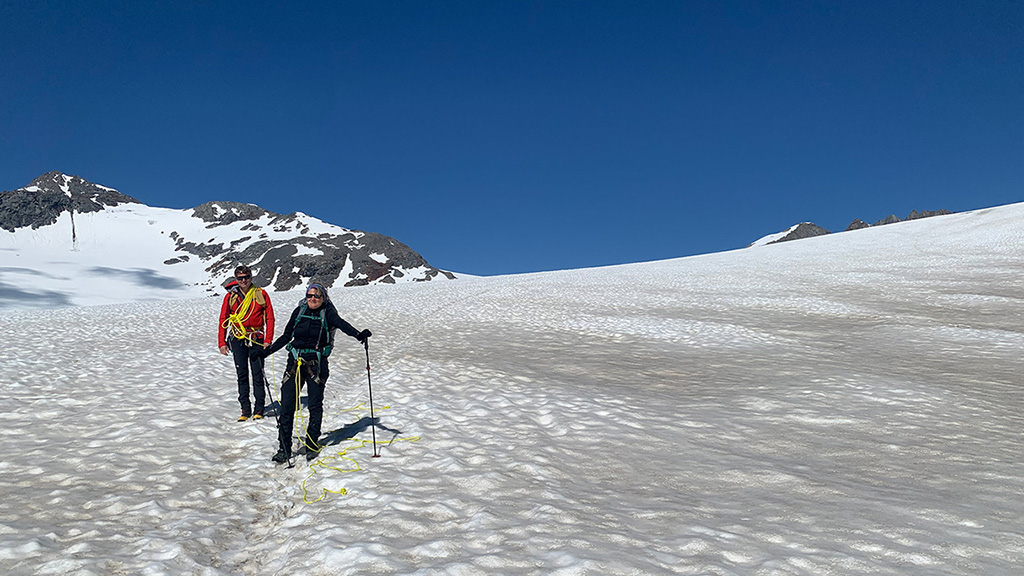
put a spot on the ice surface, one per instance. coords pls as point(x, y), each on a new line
point(848, 404)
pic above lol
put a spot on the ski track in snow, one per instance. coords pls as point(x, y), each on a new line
point(844, 405)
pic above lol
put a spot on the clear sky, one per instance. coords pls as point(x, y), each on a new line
point(501, 137)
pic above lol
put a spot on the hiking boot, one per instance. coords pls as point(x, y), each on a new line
point(281, 456)
point(243, 418)
point(257, 416)
point(312, 449)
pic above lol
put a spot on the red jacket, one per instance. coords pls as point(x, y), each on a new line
point(259, 320)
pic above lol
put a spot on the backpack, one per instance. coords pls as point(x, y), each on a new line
point(237, 297)
point(325, 342)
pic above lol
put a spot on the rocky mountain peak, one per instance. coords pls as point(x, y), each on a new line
point(48, 196)
point(212, 239)
point(86, 196)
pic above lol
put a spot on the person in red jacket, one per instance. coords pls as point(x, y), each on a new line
point(246, 328)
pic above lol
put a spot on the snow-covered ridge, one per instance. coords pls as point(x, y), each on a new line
point(810, 230)
point(66, 241)
point(772, 238)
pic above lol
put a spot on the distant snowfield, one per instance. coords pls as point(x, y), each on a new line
point(99, 266)
point(108, 256)
point(848, 404)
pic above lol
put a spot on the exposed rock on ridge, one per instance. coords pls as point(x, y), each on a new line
point(809, 230)
point(893, 219)
point(373, 257)
point(801, 231)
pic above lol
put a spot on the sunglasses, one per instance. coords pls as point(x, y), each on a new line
point(317, 296)
point(241, 278)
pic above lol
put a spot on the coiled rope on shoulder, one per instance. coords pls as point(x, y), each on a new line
point(235, 322)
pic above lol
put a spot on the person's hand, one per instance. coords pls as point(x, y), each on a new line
point(363, 336)
point(224, 350)
point(266, 345)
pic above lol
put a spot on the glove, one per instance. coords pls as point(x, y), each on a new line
point(362, 336)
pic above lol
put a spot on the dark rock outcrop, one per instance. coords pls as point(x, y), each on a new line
point(915, 215)
point(223, 213)
point(808, 230)
point(801, 231)
point(288, 263)
point(857, 224)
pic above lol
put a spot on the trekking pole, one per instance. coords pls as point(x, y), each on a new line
point(277, 411)
point(373, 425)
point(270, 390)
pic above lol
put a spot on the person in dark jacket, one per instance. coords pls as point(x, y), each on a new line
point(309, 338)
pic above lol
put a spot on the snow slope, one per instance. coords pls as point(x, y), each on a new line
point(111, 259)
point(130, 252)
point(843, 405)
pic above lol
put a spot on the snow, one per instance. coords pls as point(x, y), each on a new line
point(100, 266)
point(66, 186)
point(119, 255)
point(765, 240)
point(841, 405)
point(302, 249)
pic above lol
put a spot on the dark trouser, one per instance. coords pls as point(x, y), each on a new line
point(314, 378)
point(243, 353)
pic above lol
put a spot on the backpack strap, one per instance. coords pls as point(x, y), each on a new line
point(321, 349)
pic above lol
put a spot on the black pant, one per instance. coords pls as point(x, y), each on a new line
point(243, 353)
point(313, 375)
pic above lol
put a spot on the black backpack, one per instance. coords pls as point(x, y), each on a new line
point(325, 342)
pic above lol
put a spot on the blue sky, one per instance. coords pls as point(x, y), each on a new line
point(504, 137)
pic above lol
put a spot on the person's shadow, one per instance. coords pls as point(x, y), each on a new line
point(350, 431)
point(346, 432)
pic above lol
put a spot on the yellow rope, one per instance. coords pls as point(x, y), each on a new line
point(235, 321)
point(298, 405)
point(321, 462)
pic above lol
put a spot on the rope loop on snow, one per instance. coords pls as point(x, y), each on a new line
point(322, 461)
point(343, 455)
